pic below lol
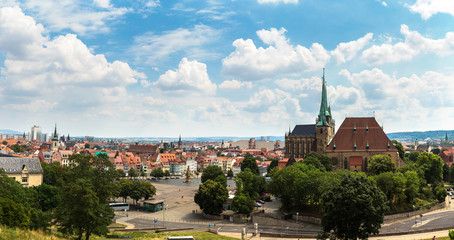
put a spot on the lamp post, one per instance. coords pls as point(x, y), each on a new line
point(297, 226)
point(163, 211)
point(414, 212)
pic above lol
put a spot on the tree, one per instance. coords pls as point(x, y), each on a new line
point(314, 162)
point(273, 164)
point(47, 196)
point(230, 173)
point(400, 148)
point(143, 174)
point(242, 203)
point(87, 145)
point(251, 163)
point(354, 209)
point(141, 189)
point(132, 172)
point(13, 214)
point(120, 173)
point(157, 172)
point(445, 172)
point(52, 173)
point(167, 173)
point(214, 173)
point(5, 142)
point(17, 148)
point(324, 160)
point(211, 196)
point(413, 156)
point(432, 166)
point(125, 187)
point(435, 151)
point(84, 208)
point(250, 184)
point(380, 164)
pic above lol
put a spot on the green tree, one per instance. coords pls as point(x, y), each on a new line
point(249, 183)
point(445, 172)
point(242, 203)
point(157, 172)
point(132, 172)
point(432, 166)
point(324, 160)
point(380, 164)
point(251, 163)
point(435, 151)
point(413, 156)
point(88, 186)
point(314, 162)
point(141, 189)
point(87, 145)
point(120, 173)
point(13, 214)
point(211, 196)
point(125, 187)
point(5, 143)
point(143, 174)
point(17, 148)
point(52, 173)
point(273, 164)
point(230, 173)
point(167, 173)
point(400, 148)
point(214, 173)
point(354, 209)
point(47, 196)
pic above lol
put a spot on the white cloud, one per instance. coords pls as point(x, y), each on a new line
point(428, 8)
point(34, 106)
point(347, 51)
point(190, 76)
point(81, 17)
point(218, 111)
point(250, 63)
point(384, 4)
point(57, 72)
point(413, 45)
point(277, 1)
point(153, 48)
point(152, 3)
point(234, 84)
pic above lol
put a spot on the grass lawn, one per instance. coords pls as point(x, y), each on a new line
point(163, 236)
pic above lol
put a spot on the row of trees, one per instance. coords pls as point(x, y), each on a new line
point(359, 199)
point(75, 198)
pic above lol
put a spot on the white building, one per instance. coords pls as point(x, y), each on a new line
point(35, 133)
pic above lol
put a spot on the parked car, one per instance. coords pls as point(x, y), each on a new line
point(260, 201)
point(258, 204)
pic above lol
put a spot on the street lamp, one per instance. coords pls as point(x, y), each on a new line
point(297, 226)
point(414, 212)
point(163, 211)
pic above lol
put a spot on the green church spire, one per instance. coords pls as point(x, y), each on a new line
point(324, 108)
point(55, 133)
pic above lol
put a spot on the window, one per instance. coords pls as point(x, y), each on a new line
point(24, 179)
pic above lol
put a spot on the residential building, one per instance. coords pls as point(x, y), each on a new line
point(26, 171)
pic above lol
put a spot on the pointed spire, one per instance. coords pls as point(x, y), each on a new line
point(55, 137)
point(324, 110)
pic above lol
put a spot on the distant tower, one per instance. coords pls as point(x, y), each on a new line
point(325, 126)
point(67, 138)
point(252, 143)
point(55, 140)
point(446, 137)
point(179, 142)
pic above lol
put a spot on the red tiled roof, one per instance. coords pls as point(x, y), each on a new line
point(368, 133)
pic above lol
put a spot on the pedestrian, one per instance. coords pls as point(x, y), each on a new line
point(433, 238)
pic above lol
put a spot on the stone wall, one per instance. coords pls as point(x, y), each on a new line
point(265, 220)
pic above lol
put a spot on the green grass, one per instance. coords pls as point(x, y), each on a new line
point(13, 234)
point(163, 236)
point(10, 233)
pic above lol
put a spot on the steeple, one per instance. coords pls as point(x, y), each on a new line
point(325, 111)
point(55, 138)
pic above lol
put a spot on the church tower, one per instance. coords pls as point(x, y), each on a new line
point(55, 140)
point(325, 125)
point(180, 143)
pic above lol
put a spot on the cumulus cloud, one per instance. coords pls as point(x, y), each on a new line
point(218, 111)
point(277, 1)
point(234, 84)
point(413, 45)
point(81, 17)
point(190, 76)
point(428, 8)
point(347, 51)
point(153, 48)
point(57, 71)
point(250, 63)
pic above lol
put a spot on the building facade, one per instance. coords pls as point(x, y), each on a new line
point(312, 137)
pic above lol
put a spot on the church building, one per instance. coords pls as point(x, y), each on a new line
point(312, 137)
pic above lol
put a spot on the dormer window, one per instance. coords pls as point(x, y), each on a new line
point(367, 128)
point(354, 147)
point(354, 129)
point(389, 146)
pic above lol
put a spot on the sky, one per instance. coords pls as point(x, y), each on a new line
point(161, 68)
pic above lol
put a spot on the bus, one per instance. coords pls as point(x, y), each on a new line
point(119, 206)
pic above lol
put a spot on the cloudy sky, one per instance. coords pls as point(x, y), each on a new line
point(158, 68)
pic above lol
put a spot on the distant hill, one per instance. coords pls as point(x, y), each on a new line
point(412, 136)
point(11, 132)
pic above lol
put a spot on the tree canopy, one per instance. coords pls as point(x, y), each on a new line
point(251, 163)
point(380, 164)
point(400, 148)
point(211, 196)
point(214, 173)
point(354, 209)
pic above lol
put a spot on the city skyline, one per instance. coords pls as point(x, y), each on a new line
point(155, 68)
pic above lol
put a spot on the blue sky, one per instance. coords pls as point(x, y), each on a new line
point(223, 68)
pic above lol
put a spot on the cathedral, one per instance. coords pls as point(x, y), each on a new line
point(351, 147)
point(312, 137)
